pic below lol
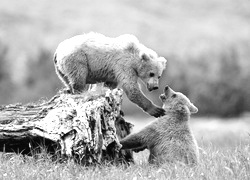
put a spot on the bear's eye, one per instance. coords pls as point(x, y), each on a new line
point(151, 74)
point(159, 77)
point(173, 96)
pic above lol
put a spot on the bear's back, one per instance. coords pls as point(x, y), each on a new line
point(95, 43)
point(79, 41)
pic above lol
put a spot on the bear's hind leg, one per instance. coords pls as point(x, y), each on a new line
point(78, 82)
point(77, 72)
point(65, 81)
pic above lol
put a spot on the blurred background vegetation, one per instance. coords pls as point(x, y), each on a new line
point(206, 43)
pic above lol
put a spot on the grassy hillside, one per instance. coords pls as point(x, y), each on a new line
point(206, 44)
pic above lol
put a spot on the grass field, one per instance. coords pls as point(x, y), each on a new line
point(224, 154)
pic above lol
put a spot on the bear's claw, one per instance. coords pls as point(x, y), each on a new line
point(157, 112)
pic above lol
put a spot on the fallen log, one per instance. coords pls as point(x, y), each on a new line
point(85, 127)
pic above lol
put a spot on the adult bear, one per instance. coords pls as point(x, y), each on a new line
point(93, 58)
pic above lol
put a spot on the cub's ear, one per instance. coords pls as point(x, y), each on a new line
point(193, 109)
point(163, 61)
point(168, 91)
point(162, 97)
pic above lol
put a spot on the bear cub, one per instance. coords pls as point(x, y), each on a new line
point(168, 138)
point(94, 58)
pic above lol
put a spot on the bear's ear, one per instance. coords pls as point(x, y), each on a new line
point(132, 48)
point(193, 109)
point(144, 57)
point(163, 61)
point(168, 91)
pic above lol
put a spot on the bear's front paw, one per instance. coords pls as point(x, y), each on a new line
point(156, 111)
point(139, 149)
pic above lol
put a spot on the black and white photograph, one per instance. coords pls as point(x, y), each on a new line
point(125, 89)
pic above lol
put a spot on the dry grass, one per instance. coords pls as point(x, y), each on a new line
point(225, 154)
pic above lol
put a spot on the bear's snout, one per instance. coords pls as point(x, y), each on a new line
point(151, 88)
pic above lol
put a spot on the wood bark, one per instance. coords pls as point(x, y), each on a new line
point(85, 127)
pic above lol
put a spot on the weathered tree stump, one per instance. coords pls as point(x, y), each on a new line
point(85, 127)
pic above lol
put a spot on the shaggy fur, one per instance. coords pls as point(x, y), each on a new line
point(93, 58)
point(169, 138)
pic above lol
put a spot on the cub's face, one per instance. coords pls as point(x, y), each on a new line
point(177, 101)
point(151, 70)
